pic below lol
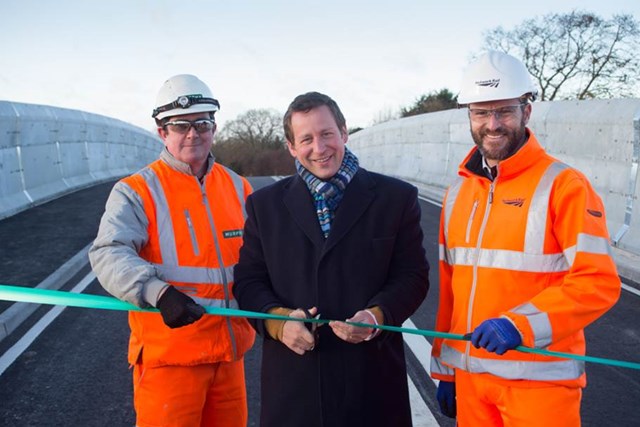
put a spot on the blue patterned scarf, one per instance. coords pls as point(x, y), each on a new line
point(328, 194)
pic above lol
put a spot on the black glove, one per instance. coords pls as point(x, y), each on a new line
point(177, 309)
point(446, 396)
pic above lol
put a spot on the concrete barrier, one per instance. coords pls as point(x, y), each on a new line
point(601, 138)
point(46, 152)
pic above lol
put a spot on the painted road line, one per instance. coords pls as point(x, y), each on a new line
point(630, 289)
point(421, 416)
point(19, 347)
point(420, 347)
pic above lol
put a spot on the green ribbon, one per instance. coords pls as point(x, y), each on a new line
point(53, 297)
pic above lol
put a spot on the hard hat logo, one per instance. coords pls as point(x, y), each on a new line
point(489, 83)
point(496, 76)
point(184, 94)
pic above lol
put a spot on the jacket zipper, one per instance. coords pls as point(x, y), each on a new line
point(225, 280)
point(474, 283)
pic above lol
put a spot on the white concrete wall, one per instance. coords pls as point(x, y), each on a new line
point(47, 151)
point(601, 138)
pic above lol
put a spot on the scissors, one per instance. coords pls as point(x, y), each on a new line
point(312, 326)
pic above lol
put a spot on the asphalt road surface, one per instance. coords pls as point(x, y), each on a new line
point(73, 371)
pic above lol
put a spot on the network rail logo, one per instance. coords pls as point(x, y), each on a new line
point(488, 83)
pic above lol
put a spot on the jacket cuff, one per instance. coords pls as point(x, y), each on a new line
point(152, 290)
point(274, 326)
point(377, 312)
point(522, 325)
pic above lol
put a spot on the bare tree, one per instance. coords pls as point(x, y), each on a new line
point(576, 55)
point(253, 145)
point(259, 127)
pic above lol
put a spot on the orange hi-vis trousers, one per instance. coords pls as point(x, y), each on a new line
point(211, 395)
point(483, 400)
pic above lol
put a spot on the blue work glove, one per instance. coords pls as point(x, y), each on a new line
point(446, 396)
point(178, 309)
point(496, 335)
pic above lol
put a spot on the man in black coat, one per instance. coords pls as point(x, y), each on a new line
point(345, 243)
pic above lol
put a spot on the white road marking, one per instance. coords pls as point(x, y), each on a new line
point(630, 289)
point(421, 349)
point(420, 413)
point(23, 343)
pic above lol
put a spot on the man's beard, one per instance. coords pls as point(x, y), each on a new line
point(515, 139)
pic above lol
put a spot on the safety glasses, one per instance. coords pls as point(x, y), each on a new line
point(504, 113)
point(183, 126)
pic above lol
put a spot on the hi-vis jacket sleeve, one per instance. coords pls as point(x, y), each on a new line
point(591, 286)
point(445, 305)
point(114, 253)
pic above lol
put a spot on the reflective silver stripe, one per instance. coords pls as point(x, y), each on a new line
point(444, 254)
point(439, 368)
point(194, 274)
point(239, 186)
point(452, 195)
point(560, 370)
point(539, 322)
point(165, 225)
point(217, 303)
point(537, 214)
point(588, 243)
point(508, 260)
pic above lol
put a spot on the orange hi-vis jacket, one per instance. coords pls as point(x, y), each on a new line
point(532, 246)
point(194, 234)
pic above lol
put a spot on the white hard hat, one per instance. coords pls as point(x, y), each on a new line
point(184, 94)
point(495, 76)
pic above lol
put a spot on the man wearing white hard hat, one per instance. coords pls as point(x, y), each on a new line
point(525, 260)
point(169, 238)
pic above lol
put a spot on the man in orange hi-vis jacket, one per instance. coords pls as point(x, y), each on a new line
point(525, 260)
point(169, 238)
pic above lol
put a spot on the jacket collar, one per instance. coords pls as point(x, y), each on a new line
point(524, 158)
point(357, 197)
point(183, 167)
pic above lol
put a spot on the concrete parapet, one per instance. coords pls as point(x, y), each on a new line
point(601, 138)
point(48, 151)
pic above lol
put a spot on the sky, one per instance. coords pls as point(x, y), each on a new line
point(373, 57)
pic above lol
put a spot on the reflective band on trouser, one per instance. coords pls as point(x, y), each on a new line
point(514, 369)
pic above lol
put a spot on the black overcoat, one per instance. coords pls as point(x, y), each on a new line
point(373, 256)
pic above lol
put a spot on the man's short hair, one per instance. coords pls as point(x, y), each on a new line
point(305, 103)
